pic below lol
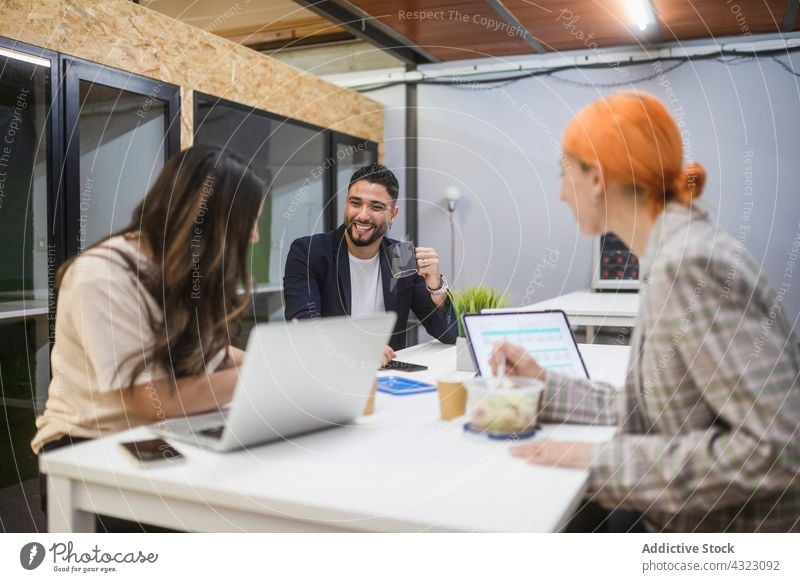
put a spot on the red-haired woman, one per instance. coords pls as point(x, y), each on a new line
point(708, 418)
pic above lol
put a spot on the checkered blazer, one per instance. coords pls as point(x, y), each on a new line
point(708, 419)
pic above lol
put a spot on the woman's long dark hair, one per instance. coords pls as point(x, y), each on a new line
point(196, 221)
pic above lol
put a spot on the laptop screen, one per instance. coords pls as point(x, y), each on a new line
point(545, 335)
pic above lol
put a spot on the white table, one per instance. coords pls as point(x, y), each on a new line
point(590, 309)
point(401, 469)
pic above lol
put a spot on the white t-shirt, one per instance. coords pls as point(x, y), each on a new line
point(366, 286)
point(101, 319)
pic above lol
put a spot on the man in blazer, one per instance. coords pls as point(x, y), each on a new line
point(346, 272)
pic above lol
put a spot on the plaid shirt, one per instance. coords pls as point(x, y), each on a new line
point(708, 419)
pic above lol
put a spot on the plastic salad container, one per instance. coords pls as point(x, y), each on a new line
point(505, 407)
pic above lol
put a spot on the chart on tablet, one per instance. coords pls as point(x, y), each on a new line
point(545, 335)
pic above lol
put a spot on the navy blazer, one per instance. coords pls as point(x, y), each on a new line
point(316, 283)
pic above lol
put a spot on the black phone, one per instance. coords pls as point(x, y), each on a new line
point(404, 366)
point(151, 451)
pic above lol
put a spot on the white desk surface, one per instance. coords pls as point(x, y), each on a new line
point(589, 308)
point(605, 362)
point(587, 302)
point(401, 469)
point(613, 304)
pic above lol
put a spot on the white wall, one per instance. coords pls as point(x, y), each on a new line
point(501, 147)
point(394, 134)
point(394, 146)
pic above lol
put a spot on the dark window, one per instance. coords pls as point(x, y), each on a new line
point(290, 156)
point(25, 179)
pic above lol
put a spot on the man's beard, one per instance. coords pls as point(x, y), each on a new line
point(377, 232)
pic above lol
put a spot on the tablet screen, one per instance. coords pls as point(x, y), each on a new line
point(545, 335)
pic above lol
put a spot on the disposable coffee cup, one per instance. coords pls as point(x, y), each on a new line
point(370, 406)
point(453, 394)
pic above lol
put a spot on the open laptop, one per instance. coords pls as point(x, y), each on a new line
point(545, 335)
point(297, 378)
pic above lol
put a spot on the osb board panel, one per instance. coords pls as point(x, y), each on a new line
point(187, 117)
point(121, 34)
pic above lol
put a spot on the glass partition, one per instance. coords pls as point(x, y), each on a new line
point(288, 154)
point(121, 129)
point(79, 146)
point(24, 105)
point(25, 99)
point(121, 154)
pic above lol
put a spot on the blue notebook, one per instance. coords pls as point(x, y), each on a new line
point(399, 386)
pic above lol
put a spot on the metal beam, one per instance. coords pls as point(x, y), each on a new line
point(412, 183)
point(655, 35)
point(412, 176)
point(630, 55)
point(369, 28)
point(791, 15)
point(514, 22)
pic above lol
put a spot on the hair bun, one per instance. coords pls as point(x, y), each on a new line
point(689, 183)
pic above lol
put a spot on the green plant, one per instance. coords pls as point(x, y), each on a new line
point(474, 299)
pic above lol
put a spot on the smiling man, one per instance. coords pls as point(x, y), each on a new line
point(346, 272)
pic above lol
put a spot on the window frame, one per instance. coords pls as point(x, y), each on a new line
point(329, 160)
point(75, 70)
point(54, 154)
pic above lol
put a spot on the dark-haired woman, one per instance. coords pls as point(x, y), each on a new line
point(145, 317)
point(708, 419)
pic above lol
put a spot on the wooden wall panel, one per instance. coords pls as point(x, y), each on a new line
point(704, 18)
point(576, 25)
point(450, 29)
point(187, 117)
point(121, 34)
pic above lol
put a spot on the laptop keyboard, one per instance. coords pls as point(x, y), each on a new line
point(214, 433)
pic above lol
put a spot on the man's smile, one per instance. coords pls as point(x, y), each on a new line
point(363, 227)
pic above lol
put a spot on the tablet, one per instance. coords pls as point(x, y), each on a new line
point(545, 335)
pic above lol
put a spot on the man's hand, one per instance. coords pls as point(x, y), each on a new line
point(428, 267)
point(517, 361)
point(388, 356)
point(555, 453)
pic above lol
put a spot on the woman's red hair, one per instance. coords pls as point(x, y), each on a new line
point(635, 141)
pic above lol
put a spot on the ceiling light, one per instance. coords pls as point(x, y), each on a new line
point(642, 13)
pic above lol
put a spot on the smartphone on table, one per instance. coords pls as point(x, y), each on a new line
point(404, 366)
point(152, 452)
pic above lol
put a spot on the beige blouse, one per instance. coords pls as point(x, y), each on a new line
point(101, 320)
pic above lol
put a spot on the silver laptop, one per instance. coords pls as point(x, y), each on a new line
point(297, 378)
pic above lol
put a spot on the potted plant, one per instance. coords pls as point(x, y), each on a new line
point(472, 300)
